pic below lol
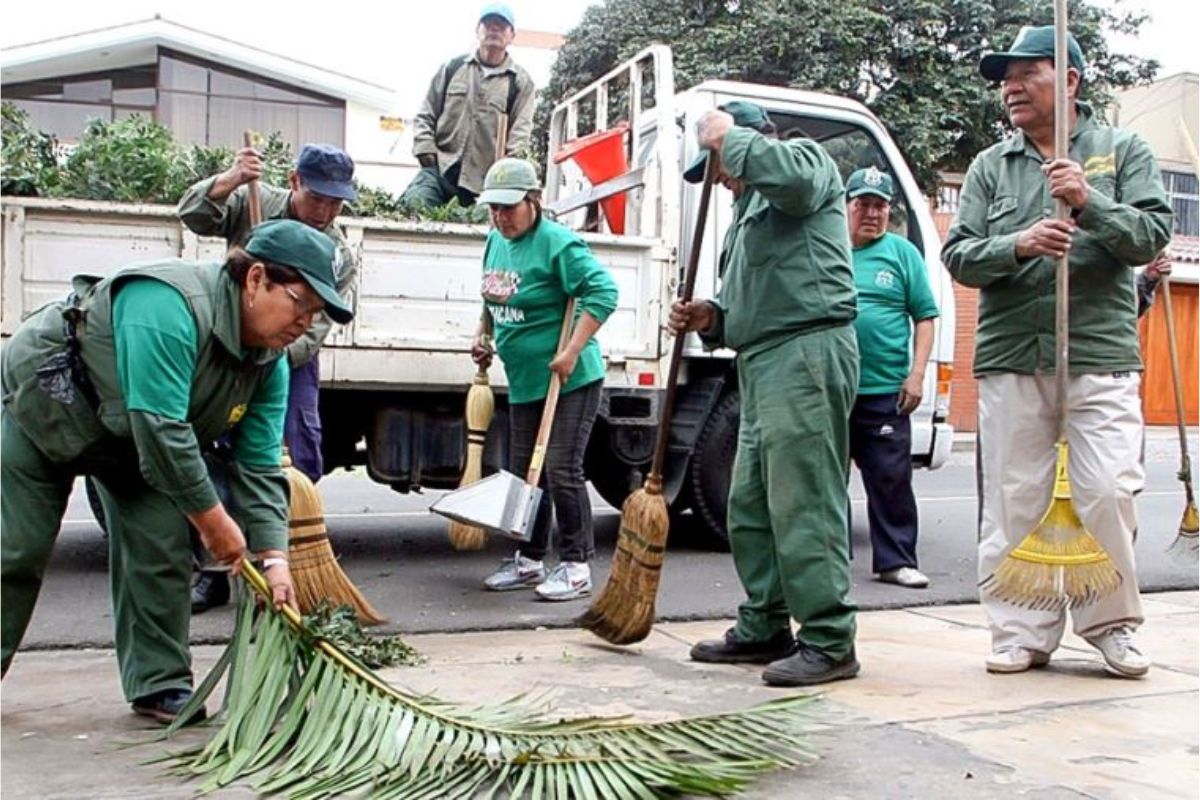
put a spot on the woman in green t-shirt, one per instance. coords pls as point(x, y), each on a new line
point(531, 267)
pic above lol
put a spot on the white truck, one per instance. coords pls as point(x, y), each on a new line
point(394, 380)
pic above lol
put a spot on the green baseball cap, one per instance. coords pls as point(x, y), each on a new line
point(1030, 43)
point(745, 115)
point(289, 243)
point(507, 182)
point(870, 181)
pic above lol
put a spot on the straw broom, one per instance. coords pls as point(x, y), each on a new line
point(481, 405)
point(623, 612)
point(302, 718)
point(316, 573)
point(1060, 564)
point(1187, 540)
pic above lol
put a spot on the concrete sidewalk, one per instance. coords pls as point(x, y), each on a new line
point(922, 720)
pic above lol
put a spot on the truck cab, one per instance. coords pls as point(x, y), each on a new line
point(662, 143)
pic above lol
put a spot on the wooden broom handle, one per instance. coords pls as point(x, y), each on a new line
point(543, 435)
point(501, 134)
point(1062, 326)
point(1185, 461)
point(689, 285)
point(252, 199)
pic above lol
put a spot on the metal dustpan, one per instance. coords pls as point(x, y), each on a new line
point(504, 503)
point(501, 503)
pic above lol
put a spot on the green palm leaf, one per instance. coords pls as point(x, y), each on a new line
point(304, 719)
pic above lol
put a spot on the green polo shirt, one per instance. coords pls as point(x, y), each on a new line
point(1126, 222)
point(526, 283)
point(893, 292)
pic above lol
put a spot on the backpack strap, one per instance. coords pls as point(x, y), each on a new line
point(452, 68)
point(455, 64)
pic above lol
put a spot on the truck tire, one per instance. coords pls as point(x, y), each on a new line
point(711, 468)
point(613, 479)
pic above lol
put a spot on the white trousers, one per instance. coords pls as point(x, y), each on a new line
point(1018, 427)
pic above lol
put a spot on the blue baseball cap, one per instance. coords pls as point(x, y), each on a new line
point(499, 10)
point(327, 170)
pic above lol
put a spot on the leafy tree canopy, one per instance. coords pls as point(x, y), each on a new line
point(912, 62)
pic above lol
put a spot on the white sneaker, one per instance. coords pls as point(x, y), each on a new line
point(517, 572)
point(908, 577)
point(1121, 654)
point(567, 581)
point(1008, 660)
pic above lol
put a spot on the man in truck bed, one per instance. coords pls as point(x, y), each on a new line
point(455, 132)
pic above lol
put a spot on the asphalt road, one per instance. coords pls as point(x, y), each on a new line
point(400, 557)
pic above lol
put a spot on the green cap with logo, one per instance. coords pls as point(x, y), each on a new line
point(289, 243)
point(745, 115)
point(507, 182)
point(1031, 43)
point(870, 181)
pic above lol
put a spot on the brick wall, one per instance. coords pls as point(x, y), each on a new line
point(964, 393)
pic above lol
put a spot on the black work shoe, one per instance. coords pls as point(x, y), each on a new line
point(165, 706)
point(809, 666)
point(732, 650)
point(210, 590)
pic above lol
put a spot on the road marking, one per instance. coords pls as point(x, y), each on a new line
point(959, 498)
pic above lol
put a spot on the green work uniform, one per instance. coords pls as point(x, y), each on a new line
point(786, 305)
point(231, 220)
point(893, 292)
point(1126, 222)
point(526, 283)
point(127, 381)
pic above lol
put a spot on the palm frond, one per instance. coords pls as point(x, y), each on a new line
point(304, 719)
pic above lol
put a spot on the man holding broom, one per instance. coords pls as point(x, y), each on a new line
point(787, 305)
point(218, 206)
point(1005, 242)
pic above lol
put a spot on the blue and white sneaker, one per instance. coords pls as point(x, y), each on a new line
point(568, 581)
point(517, 572)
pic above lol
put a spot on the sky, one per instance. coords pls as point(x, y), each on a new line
point(395, 44)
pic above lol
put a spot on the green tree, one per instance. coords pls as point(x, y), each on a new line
point(912, 62)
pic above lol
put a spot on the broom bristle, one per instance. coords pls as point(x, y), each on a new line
point(1187, 540)
point(480, 407)
point(316, 573)
point(623, 612)
point(1060, 565)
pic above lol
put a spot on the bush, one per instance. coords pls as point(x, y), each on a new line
point(133, 160)
point(29, 166)
point(137, 160)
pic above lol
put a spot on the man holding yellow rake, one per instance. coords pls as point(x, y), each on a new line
point(1005, 242)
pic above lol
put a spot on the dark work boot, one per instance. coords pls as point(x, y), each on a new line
point(732, 650)
point(810, 666)
point(210, 590)
point(164, 706)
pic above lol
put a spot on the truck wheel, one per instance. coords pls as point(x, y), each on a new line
point(711, 467)
point(613, 478)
